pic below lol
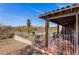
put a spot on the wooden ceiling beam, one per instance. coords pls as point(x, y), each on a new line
point(62, 16)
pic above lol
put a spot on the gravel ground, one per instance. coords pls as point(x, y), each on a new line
point(10, 45)
point(13, 47)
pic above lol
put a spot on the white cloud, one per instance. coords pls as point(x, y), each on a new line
point(36, 10)
point(59, 5)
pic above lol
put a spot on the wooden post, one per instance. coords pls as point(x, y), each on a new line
point(76, 34)
point(65, 29)
point(46, 33)
point(57, 28)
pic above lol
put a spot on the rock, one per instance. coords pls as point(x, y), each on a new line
point(29, 50)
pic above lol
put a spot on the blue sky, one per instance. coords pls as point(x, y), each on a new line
point(17, 14)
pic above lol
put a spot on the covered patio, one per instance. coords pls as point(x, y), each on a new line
point(68, 18)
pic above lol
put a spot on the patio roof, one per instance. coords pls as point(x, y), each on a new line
point(63, 16)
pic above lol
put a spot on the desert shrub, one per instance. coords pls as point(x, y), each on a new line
point(6, 32)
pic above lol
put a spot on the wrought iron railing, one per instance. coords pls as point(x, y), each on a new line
point(64, 43)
